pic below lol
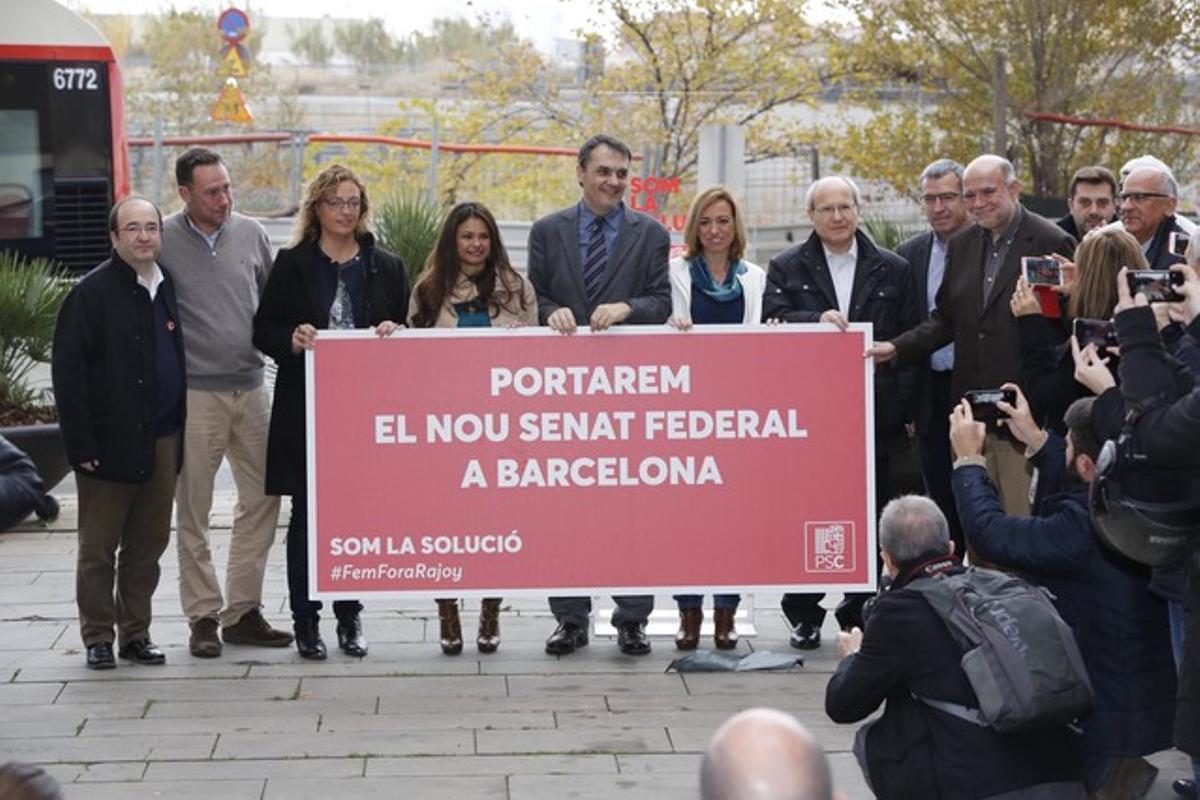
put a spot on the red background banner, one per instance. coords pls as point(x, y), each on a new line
point(788, 508)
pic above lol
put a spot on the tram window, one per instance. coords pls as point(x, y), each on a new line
point(20, 159)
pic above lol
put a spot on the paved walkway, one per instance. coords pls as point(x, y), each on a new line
point(404, 722)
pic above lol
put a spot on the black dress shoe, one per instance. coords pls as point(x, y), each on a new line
point(350, 637)
point(1186, 787)
point(566, 638)
point(632, 638)
point(308, 639)
point(143, 651)
point(805, 636)
point(100, 656)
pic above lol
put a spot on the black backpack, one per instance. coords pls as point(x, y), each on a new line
point(1019, 655)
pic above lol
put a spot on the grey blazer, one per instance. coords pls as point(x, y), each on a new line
point(636, 271)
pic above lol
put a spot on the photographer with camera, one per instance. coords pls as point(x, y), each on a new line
point(1163, 404)
point(1120, 627)
point(908, 657)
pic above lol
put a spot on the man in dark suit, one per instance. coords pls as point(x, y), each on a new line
point(121, 393)
point(982, 266)
point(1091, 201)
point(600, 263)
point(1149, 196)
point(839, 276)
point(946, 211)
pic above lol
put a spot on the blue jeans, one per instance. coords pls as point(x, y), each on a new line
point(722, 602)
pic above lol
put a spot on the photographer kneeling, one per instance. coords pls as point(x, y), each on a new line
point(908, 657)
point(1120, 627)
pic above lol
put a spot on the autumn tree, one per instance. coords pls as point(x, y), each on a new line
point(926, 69)
point(309, 43)
point(367, 44)
point(654, 73)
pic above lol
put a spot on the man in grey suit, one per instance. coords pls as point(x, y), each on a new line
point(946, 211)
point(599, 263)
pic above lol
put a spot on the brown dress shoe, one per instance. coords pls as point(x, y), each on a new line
point(451, 627)
point(489, 625)
point(724, 635)
point(688, 635)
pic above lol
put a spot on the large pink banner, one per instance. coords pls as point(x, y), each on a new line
point(635, 460)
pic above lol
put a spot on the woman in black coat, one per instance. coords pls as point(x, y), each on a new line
point(333, 277)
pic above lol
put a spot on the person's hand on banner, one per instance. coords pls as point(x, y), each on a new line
point(303, 338)
point(608, 314)
point(835, 317)
point(966, 434)
point(387, 328)
point(562, 320)
point(680, 323)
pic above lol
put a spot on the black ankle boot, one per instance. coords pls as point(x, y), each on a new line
point(308, 638)
point(350, 637)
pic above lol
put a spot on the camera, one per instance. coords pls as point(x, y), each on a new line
point(1157, 285)
point(1177, 243)
point(1041, 271)
point(1100, 332)
point(983, 402)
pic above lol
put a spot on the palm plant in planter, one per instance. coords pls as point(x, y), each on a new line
point(31, 293)
point(408, 225)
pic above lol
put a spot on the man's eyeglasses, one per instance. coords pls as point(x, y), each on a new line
point(1139, 197)
point(337, 203)
point(944, 198)
point(134, 229)
point(828, 211)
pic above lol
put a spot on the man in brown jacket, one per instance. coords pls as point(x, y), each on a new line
point(982, 266)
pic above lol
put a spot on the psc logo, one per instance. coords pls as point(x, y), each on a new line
point(830, 547)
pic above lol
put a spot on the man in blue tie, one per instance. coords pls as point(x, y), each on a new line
point(946, 211)
point(600, 263)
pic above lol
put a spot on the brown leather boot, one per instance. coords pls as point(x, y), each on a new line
point(489, 625)
point(688, 635)
point(724, 636)
point(451, 627)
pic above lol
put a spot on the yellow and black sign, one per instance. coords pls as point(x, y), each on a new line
point(231, 105)
point(235, 61)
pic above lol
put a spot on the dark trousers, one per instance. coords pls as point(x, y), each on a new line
point(575, 610)
point(936, 458)
point(806, 606)
point(297, 569)
point(123, 530)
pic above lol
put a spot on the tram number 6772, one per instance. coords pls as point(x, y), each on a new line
point(75, 79)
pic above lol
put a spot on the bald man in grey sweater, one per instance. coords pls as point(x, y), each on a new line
point(221, 260)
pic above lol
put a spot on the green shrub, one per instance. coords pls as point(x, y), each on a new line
point(31, 292)
point(408, 225)
point(886, 232)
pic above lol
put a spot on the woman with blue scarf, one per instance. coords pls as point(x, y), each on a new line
point(712, 284)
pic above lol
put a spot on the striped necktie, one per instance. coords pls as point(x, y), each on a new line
point(595, 259)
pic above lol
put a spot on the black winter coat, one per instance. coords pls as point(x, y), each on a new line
point(914, 750)
point(1120, 626)
point(1169, 434)
point(104, 371)
point(800, 289)
point(291, 298)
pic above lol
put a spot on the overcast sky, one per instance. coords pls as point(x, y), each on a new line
point(540, 20)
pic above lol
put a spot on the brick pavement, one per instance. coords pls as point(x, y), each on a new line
point(404, 722)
